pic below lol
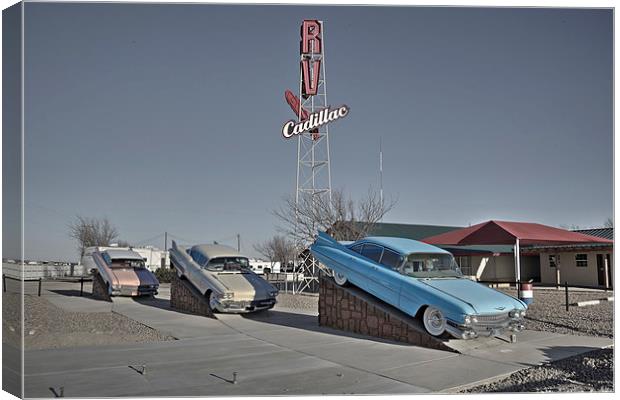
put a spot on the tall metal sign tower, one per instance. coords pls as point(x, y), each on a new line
point(313, 166)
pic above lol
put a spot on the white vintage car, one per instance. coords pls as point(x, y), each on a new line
point(224, 276)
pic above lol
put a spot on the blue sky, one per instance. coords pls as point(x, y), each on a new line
point(168, 117)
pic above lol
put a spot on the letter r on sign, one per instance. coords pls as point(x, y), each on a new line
point(310, 31)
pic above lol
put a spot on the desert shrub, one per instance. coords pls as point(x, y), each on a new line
point(164, 275)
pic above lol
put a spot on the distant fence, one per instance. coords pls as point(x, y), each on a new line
point(284, 282)
point(565, 287)
point(44, 271)
point(40, 281)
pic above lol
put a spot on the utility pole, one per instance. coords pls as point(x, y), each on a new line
point(239, 243)
point(163, 259)
point(381, 171)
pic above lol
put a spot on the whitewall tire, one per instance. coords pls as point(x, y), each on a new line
point(340, 279)
point(434, 321)
point(212, 302)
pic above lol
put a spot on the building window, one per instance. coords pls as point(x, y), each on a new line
point(552, 261)
point(581, 260)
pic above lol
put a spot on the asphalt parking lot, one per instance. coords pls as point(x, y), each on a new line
point(280, 352)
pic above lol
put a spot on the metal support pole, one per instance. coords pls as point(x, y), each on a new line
point(40, 282)
point(238, 242)
point(606, 262)
point(81, 286)
point(566, 293)
point(517, 260)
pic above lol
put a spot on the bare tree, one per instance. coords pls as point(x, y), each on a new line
point(277, 249)
point(92, 232)
point(266, 250)
point(570, 227)
point(342, 217)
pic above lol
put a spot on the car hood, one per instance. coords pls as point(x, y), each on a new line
point(133, 277)
point(245, 286)
point(482, 298)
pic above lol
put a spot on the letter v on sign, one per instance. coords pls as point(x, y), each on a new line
point(310, 85)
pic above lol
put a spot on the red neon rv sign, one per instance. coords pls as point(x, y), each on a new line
point(311, 45)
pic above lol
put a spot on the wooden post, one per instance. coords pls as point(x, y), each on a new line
point(40, 282)
point(566, 293)
point(81, 286)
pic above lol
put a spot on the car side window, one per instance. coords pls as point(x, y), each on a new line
point(372, 251)
point(391, 259)
point(357, 248)
point(106, 258)
point(198, 257)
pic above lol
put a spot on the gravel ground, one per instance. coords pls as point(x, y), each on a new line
point(548, 313)
point(586, 372)
point(11, 321)
point(48, 327)
point(309, 302)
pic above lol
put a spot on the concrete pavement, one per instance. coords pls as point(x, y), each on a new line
point(280, 352)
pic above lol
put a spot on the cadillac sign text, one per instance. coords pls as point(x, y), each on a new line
point(314, 121)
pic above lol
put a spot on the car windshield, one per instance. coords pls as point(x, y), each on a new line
point(431, 266)
point(228, 264)
point(126, 263)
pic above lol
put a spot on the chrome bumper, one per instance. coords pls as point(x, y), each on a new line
point(231, 306)
point(472, 331)
point(135, 291)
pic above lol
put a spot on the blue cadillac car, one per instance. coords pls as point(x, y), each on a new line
point(424, 282)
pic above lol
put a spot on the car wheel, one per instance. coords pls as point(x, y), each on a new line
point(340, 279)
point(211, 301)
point(434, 321)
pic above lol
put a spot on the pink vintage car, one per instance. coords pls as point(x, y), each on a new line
point(122, 270)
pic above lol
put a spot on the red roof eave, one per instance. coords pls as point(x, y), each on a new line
point(505, 232)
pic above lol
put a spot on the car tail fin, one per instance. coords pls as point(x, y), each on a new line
point(323, 239)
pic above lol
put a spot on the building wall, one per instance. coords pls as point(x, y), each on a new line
point(153, 257)
point(570, 272)
point(495, 268)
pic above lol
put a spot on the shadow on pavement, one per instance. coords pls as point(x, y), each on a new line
point(71, 293)
point(309, 323)
point(163, 304)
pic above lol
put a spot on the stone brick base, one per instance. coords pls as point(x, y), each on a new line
point(184, 297)
point(100, 290)
point(351, 309)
